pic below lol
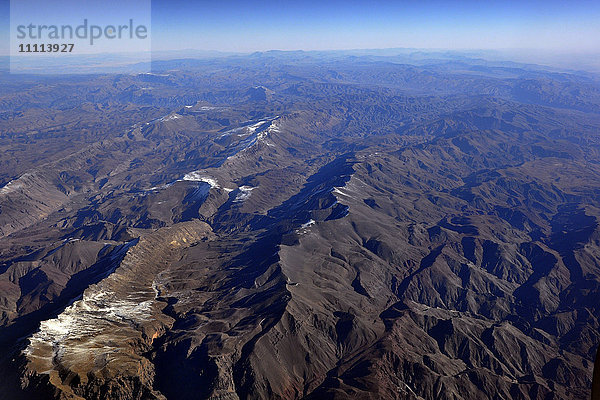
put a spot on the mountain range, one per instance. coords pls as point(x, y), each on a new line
point(300, 226)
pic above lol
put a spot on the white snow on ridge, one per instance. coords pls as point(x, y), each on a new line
point(229, 132)
point(310, 222)
point(274, 128)
point(170, 117)
point(253, 136)
point(15, 184)
point(337, 190)
point(257, 125)
point(248, 129)
point(86, 318)
point(304, 227)
point(194, 176)
point(271, 129)
point(244, 193)
point(10, 187)
point(161, 187)
point(197, 176)
point(88, 326)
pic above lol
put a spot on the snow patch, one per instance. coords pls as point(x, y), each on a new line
point(304, 227)
point(85, 318)
point(15, 184)
point(307, 224)
point(244, 193)
point(229, 132)
point(257, 132)
point(10, 187)
point(337, 190)
point(170, 117)
point(160, 187)
point(198, 176)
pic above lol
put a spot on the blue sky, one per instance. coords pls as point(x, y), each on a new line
point(308, 25)
point(246, 26)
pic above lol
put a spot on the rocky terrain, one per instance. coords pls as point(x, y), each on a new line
point(300, 226)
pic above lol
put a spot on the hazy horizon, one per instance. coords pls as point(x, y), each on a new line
point(549, 32)
point(586, 62)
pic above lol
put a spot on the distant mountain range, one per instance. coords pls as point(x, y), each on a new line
point(581, 64)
